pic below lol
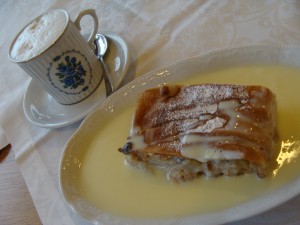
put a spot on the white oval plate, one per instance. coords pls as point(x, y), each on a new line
point(218, 59)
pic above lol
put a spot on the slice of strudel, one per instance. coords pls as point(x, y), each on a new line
point(207, 129)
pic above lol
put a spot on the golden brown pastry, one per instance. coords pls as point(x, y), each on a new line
point(208, 129)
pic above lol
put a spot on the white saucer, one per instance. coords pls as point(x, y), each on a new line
point(43, 110)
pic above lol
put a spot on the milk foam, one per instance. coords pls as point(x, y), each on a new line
point(39, 35)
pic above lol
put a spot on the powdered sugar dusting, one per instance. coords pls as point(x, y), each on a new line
point(197, 111)
point(191, 102)
point(213, 116)
point(174, 145)
point(175, 127)
point(192, 109)
point(209, 126)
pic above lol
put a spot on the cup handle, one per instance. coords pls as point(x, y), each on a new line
point(93, 14)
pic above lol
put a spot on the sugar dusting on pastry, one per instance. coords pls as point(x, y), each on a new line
point(214, 129)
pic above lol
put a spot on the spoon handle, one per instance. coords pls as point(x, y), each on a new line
point(108, 82)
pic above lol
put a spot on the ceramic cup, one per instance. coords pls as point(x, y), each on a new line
point(53, 52)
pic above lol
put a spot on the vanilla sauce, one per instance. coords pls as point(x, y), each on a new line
point(114, 187)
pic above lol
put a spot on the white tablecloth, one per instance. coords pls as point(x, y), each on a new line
point(158, 34)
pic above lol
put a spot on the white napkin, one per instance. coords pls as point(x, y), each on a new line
point(3, 139)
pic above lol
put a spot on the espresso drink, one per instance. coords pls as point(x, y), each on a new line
point(39, 35)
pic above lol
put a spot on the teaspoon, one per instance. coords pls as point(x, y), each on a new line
point(101, 47)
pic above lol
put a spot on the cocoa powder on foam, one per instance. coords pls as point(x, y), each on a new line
point(38, 35)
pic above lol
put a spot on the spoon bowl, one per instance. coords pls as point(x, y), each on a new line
point(100, 50)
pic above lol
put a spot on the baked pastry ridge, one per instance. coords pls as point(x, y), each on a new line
point(206, 129)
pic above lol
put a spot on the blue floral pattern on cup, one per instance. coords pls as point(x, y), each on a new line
point(71, 73)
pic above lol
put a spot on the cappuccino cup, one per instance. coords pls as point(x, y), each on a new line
point(54, 53)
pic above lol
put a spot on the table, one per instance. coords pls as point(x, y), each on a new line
point(15, 196)
point(158, 33)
